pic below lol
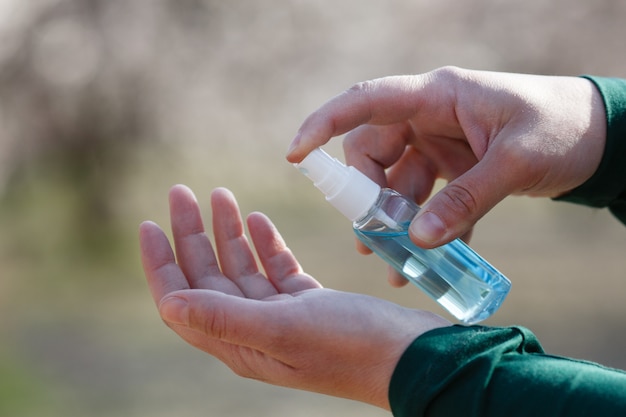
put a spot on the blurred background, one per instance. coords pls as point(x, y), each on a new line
point(104, 104)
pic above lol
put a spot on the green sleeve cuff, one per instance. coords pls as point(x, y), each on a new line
point(487, 372)
point(607, 187)
point(437, 360)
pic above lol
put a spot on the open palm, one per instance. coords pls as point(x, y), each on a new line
point(280, 327)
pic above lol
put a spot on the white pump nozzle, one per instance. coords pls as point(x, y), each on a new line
point(346, 188)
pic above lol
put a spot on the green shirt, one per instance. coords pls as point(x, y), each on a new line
point(483, 371)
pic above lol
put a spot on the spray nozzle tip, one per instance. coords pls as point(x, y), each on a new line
point(346, 188)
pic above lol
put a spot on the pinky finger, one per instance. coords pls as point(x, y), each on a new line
point(396, 279)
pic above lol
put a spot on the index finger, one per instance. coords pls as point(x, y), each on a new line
point(381, 101)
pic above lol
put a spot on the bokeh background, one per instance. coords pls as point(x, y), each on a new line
point(104, 104)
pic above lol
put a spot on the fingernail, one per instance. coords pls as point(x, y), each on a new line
point(294, 144)
point(175, 310)
point(428, 227)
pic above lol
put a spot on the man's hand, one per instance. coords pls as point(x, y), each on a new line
point(280, 327)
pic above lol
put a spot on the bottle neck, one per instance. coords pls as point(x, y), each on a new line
point(391, 210)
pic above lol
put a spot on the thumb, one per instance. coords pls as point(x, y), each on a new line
point(219, 316)
point(455, 209)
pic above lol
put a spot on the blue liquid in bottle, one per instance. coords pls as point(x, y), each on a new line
point(453, 275)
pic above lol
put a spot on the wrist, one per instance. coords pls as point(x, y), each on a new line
point(607, 181)
point(426, 322)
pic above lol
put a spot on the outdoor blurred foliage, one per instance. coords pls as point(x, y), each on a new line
point(104, 104)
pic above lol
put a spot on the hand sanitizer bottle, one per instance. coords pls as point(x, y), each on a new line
point(453, 275)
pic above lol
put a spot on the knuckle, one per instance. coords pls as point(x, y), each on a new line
point(364, 91)
point(522, 162)
point(211, 322)
point(460, 200)
point(449, 72)
point(362, 87)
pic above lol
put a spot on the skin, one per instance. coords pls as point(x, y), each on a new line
point(280, 327)
point(488, 134)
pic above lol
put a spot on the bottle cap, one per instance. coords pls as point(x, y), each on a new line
point(346, 188)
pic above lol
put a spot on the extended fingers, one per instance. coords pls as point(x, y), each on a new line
point(236, 258)
point(159, 265)
point(281, 266)
point(193, 248)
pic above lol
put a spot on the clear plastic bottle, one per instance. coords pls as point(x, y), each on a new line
point(454, 275)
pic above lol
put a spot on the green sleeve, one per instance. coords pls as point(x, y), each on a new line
point(607, 187)
point(484, 371)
